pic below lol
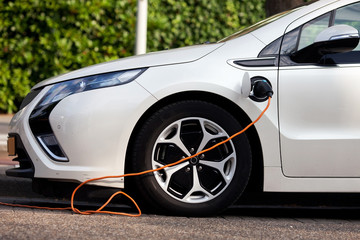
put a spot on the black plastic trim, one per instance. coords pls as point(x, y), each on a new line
point(261, 62)
point(40, 125)
point(39, 119)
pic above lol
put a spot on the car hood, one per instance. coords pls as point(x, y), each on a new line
point(166, 57)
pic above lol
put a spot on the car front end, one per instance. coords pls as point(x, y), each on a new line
point(77, 126)
point(53, 117)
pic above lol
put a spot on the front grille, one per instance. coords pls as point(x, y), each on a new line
point(26, 168)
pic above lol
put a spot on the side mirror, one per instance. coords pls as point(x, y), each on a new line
point(335, 39)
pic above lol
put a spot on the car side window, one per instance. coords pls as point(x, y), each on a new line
point(305, 35)
point(310, 30)
point(349, 15)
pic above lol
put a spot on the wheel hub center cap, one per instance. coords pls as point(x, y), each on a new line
point(194, 161)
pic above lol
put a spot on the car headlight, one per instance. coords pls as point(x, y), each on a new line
point(63, 89)
point(39, 118)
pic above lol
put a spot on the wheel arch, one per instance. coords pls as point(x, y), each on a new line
point(255, 183)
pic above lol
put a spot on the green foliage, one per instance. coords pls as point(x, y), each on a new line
point(175, 23)
point(40, 39)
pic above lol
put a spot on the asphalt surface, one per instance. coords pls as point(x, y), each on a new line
point(239, 222)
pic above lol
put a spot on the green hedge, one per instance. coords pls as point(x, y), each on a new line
point(40, 39)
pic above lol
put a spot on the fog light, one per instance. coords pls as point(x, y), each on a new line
point(52, 147)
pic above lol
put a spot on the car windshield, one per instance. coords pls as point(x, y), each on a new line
point(262, 23)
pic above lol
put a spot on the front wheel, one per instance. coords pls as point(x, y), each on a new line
point(203, 185)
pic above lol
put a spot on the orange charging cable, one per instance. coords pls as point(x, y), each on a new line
point(100, 209)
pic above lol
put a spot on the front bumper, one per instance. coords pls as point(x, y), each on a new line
point(93, 128)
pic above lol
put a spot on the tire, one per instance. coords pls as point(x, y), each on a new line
point(201, 186)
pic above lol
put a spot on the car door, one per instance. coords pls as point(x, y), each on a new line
point(319, 103)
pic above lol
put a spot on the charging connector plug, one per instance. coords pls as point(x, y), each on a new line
point(261, 89)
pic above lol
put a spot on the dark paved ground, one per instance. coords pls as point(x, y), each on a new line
point(239, 222)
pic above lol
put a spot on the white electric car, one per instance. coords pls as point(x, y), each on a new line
point(147, 111)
